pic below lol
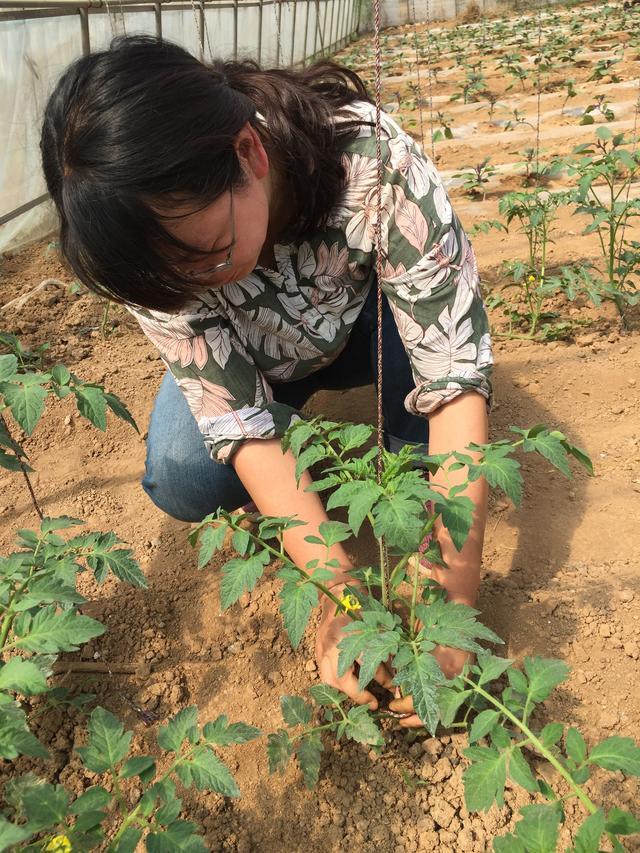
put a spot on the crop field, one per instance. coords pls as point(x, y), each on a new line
point(533, 122)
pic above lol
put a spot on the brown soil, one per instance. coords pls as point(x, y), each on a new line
point(560, 574)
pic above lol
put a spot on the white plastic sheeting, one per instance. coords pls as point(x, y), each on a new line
point(34, 53)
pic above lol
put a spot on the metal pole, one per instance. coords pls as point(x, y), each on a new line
point(84, 31)
point(201, 29)
point(324, 23)
point(158, 12)
point(278, 34)
point(306, 32)
point(333, 6)
point(293, 30)
point(260, 31)
point(235, 29)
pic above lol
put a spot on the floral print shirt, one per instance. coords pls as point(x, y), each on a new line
point(230, 346)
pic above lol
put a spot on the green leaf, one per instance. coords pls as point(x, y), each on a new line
point(128, 841)
point(587, 838)
point(119, 562)
point(93, 798)
point(361, 727)
point(575, 746)
point(10, 834)
point(295, 710)
point(308, 458)
point(617, 753)
point(485, 778)
point(424, 676)
point(92, 405)
point(520, 772)
point(240, 575)
point(449, 701)
point(169, 812)
point(483, 724)
point(8, 367)
point(60, 374)
point(179, 837)
point(223, 733)
point(354, 435)
point(45, 806)
point(15, 737)
point(551, 447)
point(51, 631)
point(26, 399)
point(324, 694)
point(23, 676)
point(178, 729)
point(108, 742)
point(119, 409)
point(61, 522)
point(308, 752)
point(491, 667)
point(279, 750)
point(621, 822)
point(551, 733)
point(457, 517)
point(500, 471)
point(538, 829)
point(544, 674)
point(359, 497)
point(211, 540)
point(139, 765)
point(333, 532)
point(208, 773)
point(297, 601)
point(12, 463)
point(398, 519)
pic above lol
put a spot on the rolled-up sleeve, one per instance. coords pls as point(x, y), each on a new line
point(430, 276)
point(226, 392)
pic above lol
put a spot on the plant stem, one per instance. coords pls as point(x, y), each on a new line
point(535, 742)
point(24, 471)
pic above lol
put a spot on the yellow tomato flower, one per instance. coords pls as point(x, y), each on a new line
point(350, 602)
point(532, 278)
point(58, 844)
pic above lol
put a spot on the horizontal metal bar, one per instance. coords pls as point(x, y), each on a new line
point(100, 4)
point(23, 208)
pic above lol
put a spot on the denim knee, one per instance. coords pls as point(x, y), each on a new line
point(180, 477)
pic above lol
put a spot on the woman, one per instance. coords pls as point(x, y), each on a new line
point(232, 211)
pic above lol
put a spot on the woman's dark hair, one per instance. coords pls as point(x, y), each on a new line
point(145, 122)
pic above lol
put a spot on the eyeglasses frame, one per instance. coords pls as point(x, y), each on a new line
point(223, 265)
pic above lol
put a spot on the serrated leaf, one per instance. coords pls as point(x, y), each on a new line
point(45, 806)
point(621, 822)
point(359, 497)
point(544, 675)
point(15, 737)
point(575, 746)
point(92, 799)
point(223, 733)
point(8, 367)
point(449, 701)
point(333, 532)
point(308, 752)
point(62, 522)
point(169, 812)
point(91, 404)
point(60, 374)
point(617, 753)
point(324, 694)
point(307, 458)
point(279, 750)
point(128, 841)
point(551, 448)
point(23, 676)
point(208, 773)
point(457, 516)
point(491, 667)
point(139, 765)
point(520, 772)
point(26, 400)
point(551, 733)
point(587, 838)
point(119, 409)
point(238, 576)
point(177, 730)
point(538, 829)
point(108, 742)
point(483, 724)
point(485, 778)
point(11, 834)
point(211, 540)
point(424, 676)
point(119, 562)
point(295, 710)
point(361, 727)
point(398, 519)
point(51, 631)
point(500, 471)
point(180, 837)
point(297, 601)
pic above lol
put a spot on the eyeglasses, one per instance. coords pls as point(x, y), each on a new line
point(229, 260)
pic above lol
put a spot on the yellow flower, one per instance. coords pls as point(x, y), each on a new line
point(532, 278)
point(350, 602)
point(58, 844)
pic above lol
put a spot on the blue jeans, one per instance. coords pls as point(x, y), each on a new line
point(183, 480)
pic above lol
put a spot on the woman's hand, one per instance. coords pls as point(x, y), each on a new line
point(328, 636)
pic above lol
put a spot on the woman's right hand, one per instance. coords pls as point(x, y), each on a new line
point(328, 636)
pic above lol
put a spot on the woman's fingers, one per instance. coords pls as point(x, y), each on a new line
point(384, 676)
point(412, 722)
point(403, 705)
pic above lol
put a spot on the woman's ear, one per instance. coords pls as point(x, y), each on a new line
point(251, 152)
